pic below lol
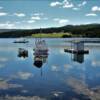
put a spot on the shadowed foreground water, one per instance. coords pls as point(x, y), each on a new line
point(61, 76)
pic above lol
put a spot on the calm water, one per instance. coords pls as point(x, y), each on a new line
point(63, 76)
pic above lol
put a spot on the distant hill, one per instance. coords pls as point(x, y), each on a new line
point(88, 30)
point(5, 30)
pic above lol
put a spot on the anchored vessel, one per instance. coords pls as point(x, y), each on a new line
point(21, 41)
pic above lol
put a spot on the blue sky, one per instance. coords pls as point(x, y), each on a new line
point(29, 14)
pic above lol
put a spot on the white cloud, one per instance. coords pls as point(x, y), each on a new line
point(95, 8)
point(91, 14)
point(31, 21)
point(5, 85)
point(7, 25)
point(61, 21)
point(75, 8)
point(3, 14)
point(19, 14)
point(22, 75)
point(78, 7)
point(57, 93)
point(25, 75)
point(82, 4)
point(36, 18)
point(67, 4)
point(53, 4)
point(63, 4)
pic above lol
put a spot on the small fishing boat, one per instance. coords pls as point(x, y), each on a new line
point(21, 41)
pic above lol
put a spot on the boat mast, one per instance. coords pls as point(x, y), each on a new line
point(40, 33)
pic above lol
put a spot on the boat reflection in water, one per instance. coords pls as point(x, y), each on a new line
point(77, 51)
point(40, 53)
point(78, 58)
point(22, 53)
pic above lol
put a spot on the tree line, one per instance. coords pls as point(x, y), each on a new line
point(89, 30)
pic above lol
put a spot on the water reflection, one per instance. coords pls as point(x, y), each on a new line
point(62, 79)
point(78, 58)
point(40, 53)
point(22, 53)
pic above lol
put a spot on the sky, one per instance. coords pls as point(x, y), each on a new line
point(31, 14)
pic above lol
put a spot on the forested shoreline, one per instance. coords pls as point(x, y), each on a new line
point(89, 30)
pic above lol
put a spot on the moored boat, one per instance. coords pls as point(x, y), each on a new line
point(21, 41)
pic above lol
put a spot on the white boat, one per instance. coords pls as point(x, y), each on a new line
point(21, 41)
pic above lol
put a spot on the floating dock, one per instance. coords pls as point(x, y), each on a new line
point(77, 47)
point(76, 51)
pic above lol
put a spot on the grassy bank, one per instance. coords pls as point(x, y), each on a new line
point(51, 35)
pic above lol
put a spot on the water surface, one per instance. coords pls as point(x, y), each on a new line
point(63, 76)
